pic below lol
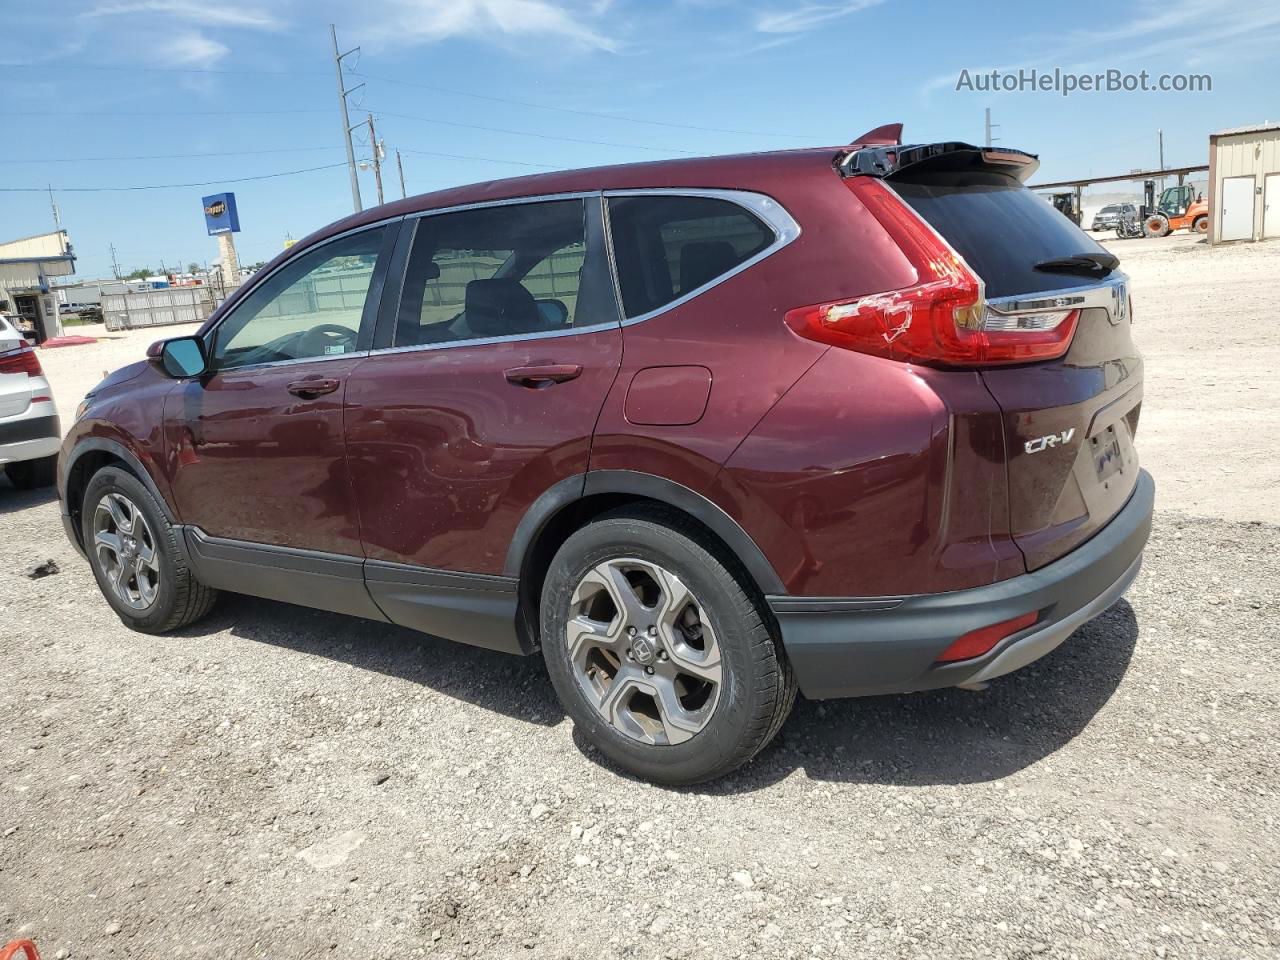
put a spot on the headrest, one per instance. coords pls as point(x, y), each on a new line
point(498, 308)
point(703, 260)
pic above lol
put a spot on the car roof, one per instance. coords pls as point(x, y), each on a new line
point(743, 171)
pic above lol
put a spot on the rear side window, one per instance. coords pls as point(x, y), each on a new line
point(504, 271)
point(1001, 229)
point(667, 247)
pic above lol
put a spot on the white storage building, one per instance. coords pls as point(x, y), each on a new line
point(1244, 183)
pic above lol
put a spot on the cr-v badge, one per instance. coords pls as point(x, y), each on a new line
point(1052, 440)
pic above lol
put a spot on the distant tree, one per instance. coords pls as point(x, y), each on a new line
point(141, 274)
point(193, 267)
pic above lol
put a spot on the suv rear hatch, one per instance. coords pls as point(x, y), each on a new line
point(1011, 288)
point(1069, 421)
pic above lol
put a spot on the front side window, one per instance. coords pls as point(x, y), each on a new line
point(503, 271)
point(311, 307)
point(668, 246)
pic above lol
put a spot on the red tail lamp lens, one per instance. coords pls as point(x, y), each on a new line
point(22, 360)
point(943, 319)
point(977, 642)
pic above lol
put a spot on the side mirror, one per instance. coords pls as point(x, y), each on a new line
point(180, 357)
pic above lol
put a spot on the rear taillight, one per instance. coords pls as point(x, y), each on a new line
point(941, 320)
point(22, 360)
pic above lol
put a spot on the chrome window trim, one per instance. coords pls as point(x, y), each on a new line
point(483, 341)
point(774, 215)
point(324, 358)
point(210, 335)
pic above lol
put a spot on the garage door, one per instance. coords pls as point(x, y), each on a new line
point(1271, 208)
point(1237, 208)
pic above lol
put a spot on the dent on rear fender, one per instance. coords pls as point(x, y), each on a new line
point(844, 484)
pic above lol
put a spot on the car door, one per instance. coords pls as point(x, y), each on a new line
point(256, 444)
point(481, 394)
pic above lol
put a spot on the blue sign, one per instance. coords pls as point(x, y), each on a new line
point(220, 214)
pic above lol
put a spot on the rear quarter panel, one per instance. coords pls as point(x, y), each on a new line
point(736, 329)
point(852, 484)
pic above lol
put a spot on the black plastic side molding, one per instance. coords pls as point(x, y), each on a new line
point(309, 578)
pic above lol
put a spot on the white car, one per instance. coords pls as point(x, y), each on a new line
point(30, 434)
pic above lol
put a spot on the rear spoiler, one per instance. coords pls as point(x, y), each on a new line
point(888, 160)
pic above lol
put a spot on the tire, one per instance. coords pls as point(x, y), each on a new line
point(1156, 226)
point(718, 726)
point(30, 474)
point(1200, 225)
point(168, 596)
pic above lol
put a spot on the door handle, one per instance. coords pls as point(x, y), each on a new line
point(539, 375)
point(308, 389)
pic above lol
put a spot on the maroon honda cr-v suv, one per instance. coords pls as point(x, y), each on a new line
point(850, 420)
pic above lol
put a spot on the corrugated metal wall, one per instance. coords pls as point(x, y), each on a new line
point(1245, 155)
point(154, 308)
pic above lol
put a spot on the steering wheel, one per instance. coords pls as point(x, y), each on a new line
point(316, 341)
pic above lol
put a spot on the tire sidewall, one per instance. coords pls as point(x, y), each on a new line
point(113, 480)
point(707, 752)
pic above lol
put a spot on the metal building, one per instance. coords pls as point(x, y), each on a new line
point(1244, 183)
point(25, 268)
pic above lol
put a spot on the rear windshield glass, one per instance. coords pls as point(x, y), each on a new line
point(1001, 229)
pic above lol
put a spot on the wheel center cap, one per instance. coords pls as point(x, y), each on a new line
point(643, 650)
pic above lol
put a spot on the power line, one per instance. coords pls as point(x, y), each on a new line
point(166, 156)
point(456, 156)
point(538, 136)
point(140, 69)
point(436, 88)
point(583, 113)
point(151, 113)
point(170, 186)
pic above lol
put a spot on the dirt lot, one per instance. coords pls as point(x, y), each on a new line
point(281, 783)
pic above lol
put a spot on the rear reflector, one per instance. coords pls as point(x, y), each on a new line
point(977, 642)
point(942, 320)
point(22, 360)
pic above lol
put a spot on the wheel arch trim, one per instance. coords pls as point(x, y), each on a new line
point(572, 489)
point(116, 449)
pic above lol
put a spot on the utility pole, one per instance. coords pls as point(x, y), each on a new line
point(990, 126)
point(343, 92)
point(1160, 137)
point(115, 265)
point(57, 214)
point(377, 158)
point(400, 166)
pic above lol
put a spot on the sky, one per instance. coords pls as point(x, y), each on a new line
point(147, 93)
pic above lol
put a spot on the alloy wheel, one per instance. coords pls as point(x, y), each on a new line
point(643, 651)
point(126, 550)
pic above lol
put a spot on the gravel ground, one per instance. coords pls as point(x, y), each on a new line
point(276, 782)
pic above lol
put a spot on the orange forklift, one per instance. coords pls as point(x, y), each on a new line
point(1179, 208)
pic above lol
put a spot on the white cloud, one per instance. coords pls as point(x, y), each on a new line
point(213, 13)
point(807, 16)
point(406, 22)
point(190, 49)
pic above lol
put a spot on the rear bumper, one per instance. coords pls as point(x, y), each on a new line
point(849, 647)
point(28, 438)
